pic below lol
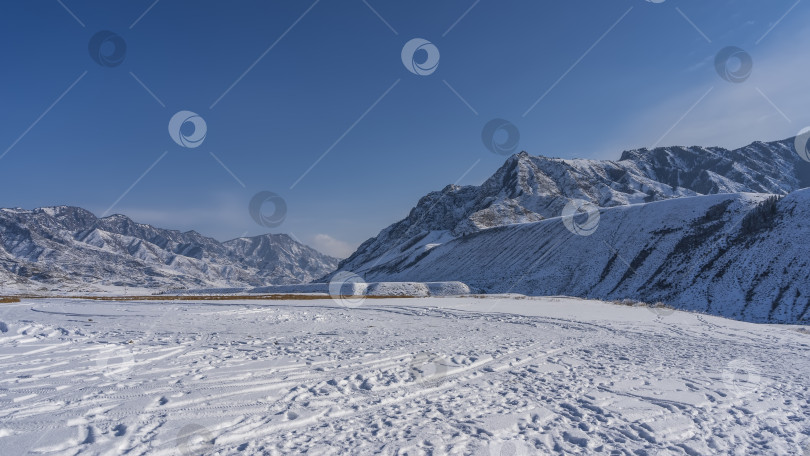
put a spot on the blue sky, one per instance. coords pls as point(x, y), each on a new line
point(616, 75)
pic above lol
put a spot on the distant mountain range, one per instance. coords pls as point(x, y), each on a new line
point(699, 252)
point(70, 249)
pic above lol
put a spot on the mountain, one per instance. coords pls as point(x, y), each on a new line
point(69, 248)
point(532, 188)
point(490, 235)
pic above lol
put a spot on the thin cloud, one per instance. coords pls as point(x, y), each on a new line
point(331, 246)
point(222, 217)
point(770, 105)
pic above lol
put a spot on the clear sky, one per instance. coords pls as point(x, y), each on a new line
point(282, 84)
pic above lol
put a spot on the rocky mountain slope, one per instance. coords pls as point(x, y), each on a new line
point(69, 248)
point(530, 188)
point(696, 252)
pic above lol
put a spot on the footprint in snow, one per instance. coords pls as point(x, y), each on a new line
point(119, 430)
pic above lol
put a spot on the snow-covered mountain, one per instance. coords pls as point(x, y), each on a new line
point(695, 252)
point(69, 248)
point(530, 188)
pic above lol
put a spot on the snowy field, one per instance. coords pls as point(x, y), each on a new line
point(493, 376)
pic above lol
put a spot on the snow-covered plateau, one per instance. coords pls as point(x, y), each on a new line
point(496, 375)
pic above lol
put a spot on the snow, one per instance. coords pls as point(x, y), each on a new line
point(464, 375)
point(414, 289)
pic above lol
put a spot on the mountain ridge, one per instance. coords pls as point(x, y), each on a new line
point(529, 188)
point(69, 246)
point(721, 212)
